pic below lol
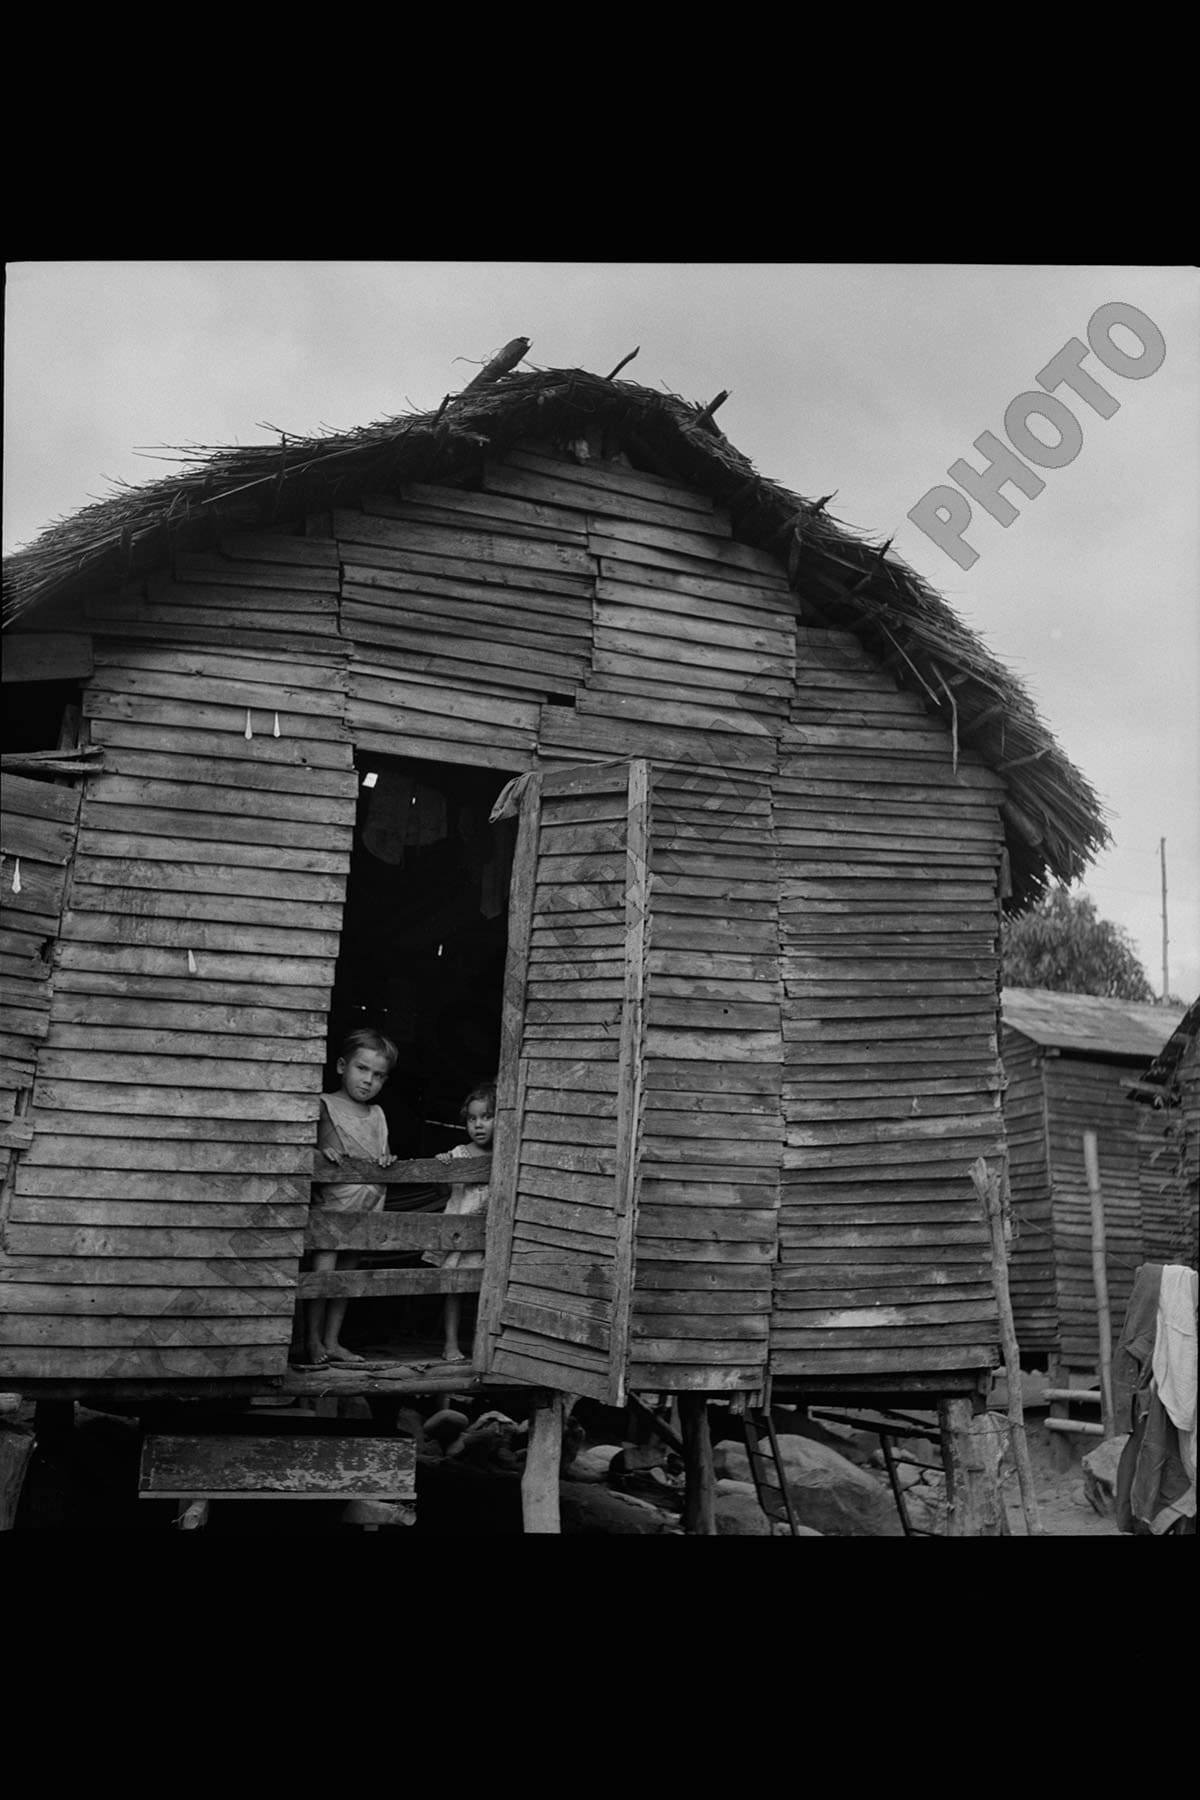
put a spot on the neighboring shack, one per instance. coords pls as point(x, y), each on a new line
point(740, 990)
point(1168, 1093)
point(1068, 1061)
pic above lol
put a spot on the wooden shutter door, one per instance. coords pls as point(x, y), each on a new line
point(556, 1292)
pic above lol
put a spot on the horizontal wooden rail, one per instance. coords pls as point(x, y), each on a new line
point(473, 1171)
point(394, 1231)
point(1092, 1394)
point(375, 1284)
point(1084, 1425)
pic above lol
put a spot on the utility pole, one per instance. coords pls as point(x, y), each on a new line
point(1162, 851)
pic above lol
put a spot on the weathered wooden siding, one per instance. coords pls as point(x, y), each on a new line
point(712, 1133)
point(819, 940)
point(563, 1316)
point(1086, 1094)
point(159, 1213)
point(38, 823)
point(891, 1082)
point(1031, 1266)
point(1168, 1233)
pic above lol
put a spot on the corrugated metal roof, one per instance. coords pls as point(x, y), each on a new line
point(1085, 1022)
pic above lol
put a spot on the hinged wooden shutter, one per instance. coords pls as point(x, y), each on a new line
point(556, 1293)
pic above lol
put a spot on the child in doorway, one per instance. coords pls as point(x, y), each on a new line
point(351, 1126)
point(479, 1116)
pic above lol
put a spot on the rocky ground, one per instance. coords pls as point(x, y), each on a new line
point(469, 1467)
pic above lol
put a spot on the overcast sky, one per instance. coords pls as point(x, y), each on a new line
point(865, 379)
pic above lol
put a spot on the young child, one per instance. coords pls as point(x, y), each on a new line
point(479, 1116)
point(351, 1126)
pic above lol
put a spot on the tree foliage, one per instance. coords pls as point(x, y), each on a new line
point(1062, 945)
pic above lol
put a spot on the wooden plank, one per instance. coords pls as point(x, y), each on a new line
point(245, 575)
point(46, 656)
point(511, 1079)
point(114, 1097)
point(467, 507)
point(31, 1330)
point(471, 548)
point(218, 1302)
point(448, 653)
point(547, 617)
point(247, 1275)
point(142, 1362)
point(205, 735)
point(561, 486)
point(278, 1468)
point(52, 1240)
point(256, 685)
point(233, 880)
point(177, 779)
point(280, 547)
point(612, 475)
point(630, 1062)
point(382, 1284)
point(317, 682)
point(309, 954)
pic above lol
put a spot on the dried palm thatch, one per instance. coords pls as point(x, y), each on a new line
point(841, 579)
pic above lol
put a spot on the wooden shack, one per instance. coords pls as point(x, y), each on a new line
point(730, 939)
point(1068, 1063)
point(1168, 1141)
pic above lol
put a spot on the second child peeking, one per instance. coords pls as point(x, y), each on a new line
point(352, 1128)
point(479, 1117)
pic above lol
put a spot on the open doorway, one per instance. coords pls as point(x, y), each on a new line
point(423, 945)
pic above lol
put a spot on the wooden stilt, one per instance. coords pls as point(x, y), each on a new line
point(539, 1481)
point(16, 1448)
point(699, 1507)
point(972, 1446)
point(1091, 1159)
point(988, 1185)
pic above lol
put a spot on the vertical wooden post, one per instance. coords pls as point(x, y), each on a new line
point(1091, 1159)
point(510, 1078)
point(700, 1493)
point(539, 1480)
point(971, 1451)
point(988, 1187)
point(629, 1079)
point(16, 1448)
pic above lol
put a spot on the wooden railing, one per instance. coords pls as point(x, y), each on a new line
point(399, 1231)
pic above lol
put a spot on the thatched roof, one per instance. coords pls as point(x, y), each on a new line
point(841, 579)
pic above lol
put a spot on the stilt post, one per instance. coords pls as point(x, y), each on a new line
point(989, 1187)
point(543, 1460)
point(972, 1445)
point(699, 1505)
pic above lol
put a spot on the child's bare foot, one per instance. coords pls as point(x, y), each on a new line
point(337, 1353)
point(452, 1353)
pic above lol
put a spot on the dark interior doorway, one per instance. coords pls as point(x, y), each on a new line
point(424, 936)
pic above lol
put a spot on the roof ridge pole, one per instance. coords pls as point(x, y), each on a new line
point(613, 373)
point(501, 364)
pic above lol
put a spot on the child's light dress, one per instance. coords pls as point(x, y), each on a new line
point(344, 1129)
point(463, 1199)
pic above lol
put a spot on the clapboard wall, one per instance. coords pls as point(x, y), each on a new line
point(38, 823)
point(158, 1215)
point(816, 972)
point(1088, 1094)
point(1032, 1265)
point(1053, 1097)
point(888, 846)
